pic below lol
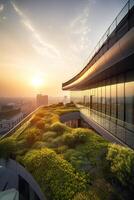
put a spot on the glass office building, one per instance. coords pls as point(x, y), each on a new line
point(110, 103)
point(104, 89)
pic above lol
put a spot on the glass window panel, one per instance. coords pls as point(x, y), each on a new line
point(129, 101)
point(112, 127)
point(99, 99)
point(86, 98)
point(94, 99)
point(103, 99)
point(120, 98)
point(130, 138)
point(113, 98)
point(108, 106)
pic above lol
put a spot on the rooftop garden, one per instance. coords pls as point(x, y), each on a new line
point(70, 163)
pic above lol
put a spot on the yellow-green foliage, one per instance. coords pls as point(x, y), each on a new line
point(76, 137)
point(121, 163)
point(40, 124)
point(100, 190)
point(39, 145)
point(104, 190)
point(35, 119)
point(59, 128)
point(33, 135)
point(57, 178)
point(58, 156)
point(86, 196)
point(49, 134)
point(7, 147)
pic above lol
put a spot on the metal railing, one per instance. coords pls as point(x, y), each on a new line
point(16, 127)
point(111, 29)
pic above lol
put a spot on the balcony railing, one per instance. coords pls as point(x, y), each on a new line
point(112, 27)
point(121, 24)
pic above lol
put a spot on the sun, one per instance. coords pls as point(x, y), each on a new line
point(37, 81)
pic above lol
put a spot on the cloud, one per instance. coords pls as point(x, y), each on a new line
point(39, 44)
point(1, 7)
point(80, 29)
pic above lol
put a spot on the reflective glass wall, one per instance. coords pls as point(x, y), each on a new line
point(111, 104)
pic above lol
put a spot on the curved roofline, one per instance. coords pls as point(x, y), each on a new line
point(100, 48)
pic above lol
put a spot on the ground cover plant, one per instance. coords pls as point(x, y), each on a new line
point(70, 163)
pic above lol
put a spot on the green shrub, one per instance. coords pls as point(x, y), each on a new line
point(56, 177)
point(71, 104)
point(54, 118)
point(77, 159)
point(121, 160)
point(86, 196)
point(47, 127)
point(104, 190)
point(60, 104)
point(59, 128)
point(40, 113)
point(35, 119)
point(56, 142)
point(48, 121)
point(7, 147)
point(49, 134)
point(61, 149)
point(100, 190)
point(40, 124)
point(38, 145)
point(78, 136)
point(33, 135)
point(94, 149)
point(21, 147)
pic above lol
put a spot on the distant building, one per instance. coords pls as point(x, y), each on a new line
point(10, 116)
point(27, 107)
point(8, 107)
point(42, 100)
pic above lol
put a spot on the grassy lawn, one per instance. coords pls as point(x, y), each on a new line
point(70, 163)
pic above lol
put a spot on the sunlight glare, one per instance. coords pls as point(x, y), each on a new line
point(37, 81)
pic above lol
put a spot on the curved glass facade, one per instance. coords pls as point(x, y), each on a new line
point(110, 103)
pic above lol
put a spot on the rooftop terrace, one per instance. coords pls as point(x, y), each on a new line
point(70, 163)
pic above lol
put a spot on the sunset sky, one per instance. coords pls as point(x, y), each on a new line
point(48, 41)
